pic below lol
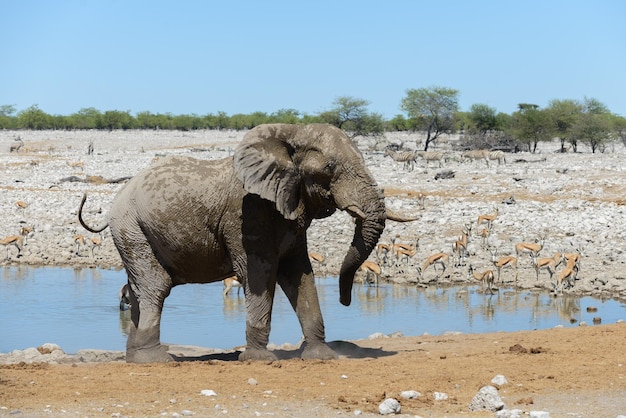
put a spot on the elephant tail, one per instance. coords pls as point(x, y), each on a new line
point(80, 218)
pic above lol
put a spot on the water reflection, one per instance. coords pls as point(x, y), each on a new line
point(78, 308)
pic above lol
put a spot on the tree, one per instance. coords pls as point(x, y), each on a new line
point(86, 118)
point(531, 125)
point(350, 114)
point(564, 115)
point(433, 109)
point(594, 130)
point(33, 118)
point(116, 119)
point(7, 118)
point(482, 119)
point(285, 116)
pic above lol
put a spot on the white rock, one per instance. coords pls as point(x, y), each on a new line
point(539, 414)
point(410, 394)
point(207, 392)
point(440, 396)
point(499, 380)
point(389, 406)
point(487, 399)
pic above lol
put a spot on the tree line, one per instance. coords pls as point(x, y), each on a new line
point(432, 110)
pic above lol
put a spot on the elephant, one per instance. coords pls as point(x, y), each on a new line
point(186, 220)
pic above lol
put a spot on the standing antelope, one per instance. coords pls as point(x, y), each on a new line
point(79, 240)
point(502, 262)
point(438, 258)
point(459, 247)
point(229, 283)
point(568, 274)
point(484, 235)
point(402, 250)
point(543, 263)
point(489, 218)
point(94, 242)
point(486, 277)
point(369, 268)
point(13, 240)
point(382, 252)
point(527, 247)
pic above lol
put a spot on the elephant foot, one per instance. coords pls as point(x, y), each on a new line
point(319, 351)
point(257, 354)
point(156, 354)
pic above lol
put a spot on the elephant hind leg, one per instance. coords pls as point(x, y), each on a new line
point(149, 288)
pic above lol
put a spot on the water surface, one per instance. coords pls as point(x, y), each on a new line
point(78, 309)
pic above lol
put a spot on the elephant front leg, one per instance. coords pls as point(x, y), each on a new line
point(258, 317)
point(299, 287)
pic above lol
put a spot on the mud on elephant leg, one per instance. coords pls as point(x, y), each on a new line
point(144, 340)
point(258, 318)
point(299, 287)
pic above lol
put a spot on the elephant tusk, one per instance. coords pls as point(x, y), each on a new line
point(355, 212)
point(399, 218)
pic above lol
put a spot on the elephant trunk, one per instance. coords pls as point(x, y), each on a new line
point(368, 209)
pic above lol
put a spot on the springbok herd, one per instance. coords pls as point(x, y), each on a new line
point(501, 219)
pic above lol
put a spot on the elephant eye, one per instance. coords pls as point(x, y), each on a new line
point(330, 167)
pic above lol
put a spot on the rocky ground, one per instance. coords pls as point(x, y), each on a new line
point(574, 201)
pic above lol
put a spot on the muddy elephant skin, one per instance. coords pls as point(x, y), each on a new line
point(184, 220)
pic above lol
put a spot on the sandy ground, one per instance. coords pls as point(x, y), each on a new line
point(573, 372)
point(567, 372)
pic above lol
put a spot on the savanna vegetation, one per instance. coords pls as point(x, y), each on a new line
point(433, 111)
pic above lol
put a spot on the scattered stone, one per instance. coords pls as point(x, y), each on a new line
point(539, 414)
point(410, 394)
point(389, 406)
point(499, 380)
point(487, 399)
point(510, 413)
point(440, 396)
point(207, 392)
point(252, 382)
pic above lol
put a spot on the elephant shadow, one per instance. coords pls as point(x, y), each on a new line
point(345, 349)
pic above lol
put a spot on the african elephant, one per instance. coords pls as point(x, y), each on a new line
point(185, 220)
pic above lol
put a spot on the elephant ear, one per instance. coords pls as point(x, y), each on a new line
point(263, 162)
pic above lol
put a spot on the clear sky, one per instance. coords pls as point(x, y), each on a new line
point(238, 56)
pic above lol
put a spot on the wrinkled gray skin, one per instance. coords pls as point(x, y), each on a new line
point(184, 220)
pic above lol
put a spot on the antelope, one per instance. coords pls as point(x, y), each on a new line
point(13, 240)
point(405, 157)
point(489, 218)
point(421, 199)
point(17, 145)
point(526, 247)
point(403, 250)
point(438, 258)
point(569, 273)
point(229, 283)
point(459, 247)
point(484, 235)
point(124, 297)
point(370, 267)
point(382, 252)
point(318, 258)
point(431, 156)
point(576, 256)
point(486, 277)
point(94, 242)
point(79, 240)
point(77, 164)
point(502, 262)
point(544, 263)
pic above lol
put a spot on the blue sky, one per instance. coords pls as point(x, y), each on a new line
point(244, 56)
